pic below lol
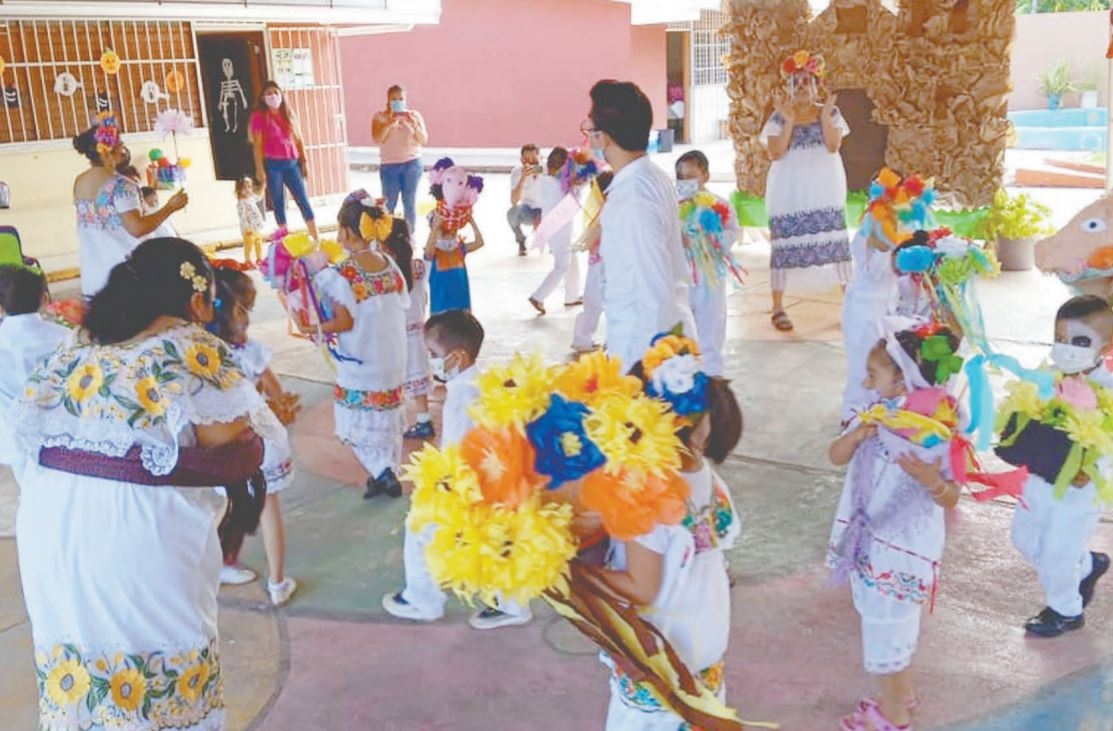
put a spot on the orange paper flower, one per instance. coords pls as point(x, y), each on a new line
point(632, 502)
point(594, 376)
point(502, 458)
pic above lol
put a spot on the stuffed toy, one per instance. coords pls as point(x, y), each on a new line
point(456, 191)
point(1081, 253)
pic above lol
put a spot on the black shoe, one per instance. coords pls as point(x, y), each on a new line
point(374, 488)
point(1086, 586)
point(390, 484)
point(1050, 623)
point(521, 248)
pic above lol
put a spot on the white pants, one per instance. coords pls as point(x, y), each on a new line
point(421, 591)
point(377, 459)
point(566, 266)
point(709, 306)
point(1054, 535)
point(587, 322)
point(623, 716)
point(890, 628)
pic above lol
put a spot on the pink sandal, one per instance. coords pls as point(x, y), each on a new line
point(869, 718)
point(913, 704)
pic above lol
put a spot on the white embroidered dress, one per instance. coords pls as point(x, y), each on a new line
point(805, 197)
point(121, 579)
point(870, 296)
point(692, 608)
point(102, 240)
point(419, 377)
point(368, 395)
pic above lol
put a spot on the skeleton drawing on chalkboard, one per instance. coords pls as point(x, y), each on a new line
point(229, 107)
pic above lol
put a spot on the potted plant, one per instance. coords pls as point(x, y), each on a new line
point(1011, 225)
point(1055, 81)
point(1089, 88)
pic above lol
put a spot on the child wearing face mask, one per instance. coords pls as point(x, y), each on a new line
point(566, 265)
point(446, 252)
point(453, 339)
point(235, 301)
point(368, 296)
point(888, 534)
point(707, 295)
point(1052, 530)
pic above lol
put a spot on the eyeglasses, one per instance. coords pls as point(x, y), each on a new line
point(588, 130)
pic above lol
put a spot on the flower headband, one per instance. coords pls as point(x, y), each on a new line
point(806, 62)
point(897, 205)
point(672, 373)
point(934, 348)
point(107, 134)
point(189, 273)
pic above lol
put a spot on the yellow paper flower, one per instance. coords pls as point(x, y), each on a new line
point(1023, 397)
point(1087, 428)
point(150, 396)
point(203, 360)
point(636, 434)
point(128, 689)
point(453, 555)
point(593, 377)
point(514, 394)
point(84, 382)
point(665, 348)
point(443, 484)
point(67, 683)
point(800, 58)
point(192, 681)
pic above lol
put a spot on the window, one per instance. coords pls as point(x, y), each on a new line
point(709, 46)
point(54, 86)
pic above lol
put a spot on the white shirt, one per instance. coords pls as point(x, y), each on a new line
point(642, 239)
point(461, 394)
point(26, 341)
point(528, 195)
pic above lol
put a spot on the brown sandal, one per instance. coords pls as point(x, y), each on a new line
point(781, 322)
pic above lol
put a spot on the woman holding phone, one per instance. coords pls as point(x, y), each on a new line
point(400, 133)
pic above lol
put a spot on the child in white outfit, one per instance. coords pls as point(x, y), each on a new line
point(708, 298)
point(888, 533)
point(870, 296)
point(566, 265)
point(587, 322)
point(454, 339)
point(27, 339)
point(1054, 532)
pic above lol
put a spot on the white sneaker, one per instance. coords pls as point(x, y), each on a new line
point(236, 575)
point(491, 618)
point(398, 607)
point(282, 591)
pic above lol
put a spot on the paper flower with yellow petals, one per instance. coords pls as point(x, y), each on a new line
point(443, 484)
point(502, 460)
point(593, 377)
point(636, 434)
point(513, 395)
point(666, 347)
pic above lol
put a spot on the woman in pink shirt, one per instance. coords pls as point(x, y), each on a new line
point(280, 155)
point(400, 133)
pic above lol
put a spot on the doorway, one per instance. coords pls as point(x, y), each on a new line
point(677, 67)
point(233, 70)
point(863, 151)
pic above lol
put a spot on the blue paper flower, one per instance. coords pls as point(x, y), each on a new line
point(915, 259)
point(710, 222)
point(564, 452)
point(692, 401)
point(876, 190)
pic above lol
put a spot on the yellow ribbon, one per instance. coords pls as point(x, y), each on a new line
point(924, 426)
point(375, 229)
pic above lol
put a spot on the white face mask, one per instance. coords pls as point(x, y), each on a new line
point(1073, 359)
point(440, 369)
point(685, 189)
point(274, 101)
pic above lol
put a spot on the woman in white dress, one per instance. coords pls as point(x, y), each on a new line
point(368, 296)
point(119, 559)
point(110, 219)
point(805, 193)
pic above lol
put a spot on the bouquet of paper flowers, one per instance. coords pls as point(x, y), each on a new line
point(580, 168)
point(1061, 436)
point(456, 190)
point(897, 206)
point(707, 240)
point(504, 528)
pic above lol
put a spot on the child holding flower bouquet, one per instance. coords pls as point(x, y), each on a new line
point(1066, 445)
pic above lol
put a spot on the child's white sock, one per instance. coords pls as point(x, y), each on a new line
point(424, 418)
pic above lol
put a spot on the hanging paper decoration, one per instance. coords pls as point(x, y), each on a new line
point(110, 62)
point(150, 92)
point(66, 84)
point(175, 81)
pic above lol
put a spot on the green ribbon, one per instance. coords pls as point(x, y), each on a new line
point(936, 349)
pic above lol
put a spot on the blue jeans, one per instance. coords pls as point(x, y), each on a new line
point(522, 215)
point(282, 174)
point(401, 178)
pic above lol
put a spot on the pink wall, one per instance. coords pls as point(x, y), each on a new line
point(1043, 39)
point(497, 73)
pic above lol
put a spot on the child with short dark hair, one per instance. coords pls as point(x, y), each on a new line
point(1053, 531)
point(26, 340)
point(235, 301)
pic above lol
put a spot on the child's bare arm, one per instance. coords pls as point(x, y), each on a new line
point(843, 448)
point(478, 242)
point(270, 385)
point(641, 581)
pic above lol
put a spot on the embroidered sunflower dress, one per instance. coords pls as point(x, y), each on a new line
point(368, 396)
point(102, 240)
point(692, 608)
point(805, 196)
point(121, 579)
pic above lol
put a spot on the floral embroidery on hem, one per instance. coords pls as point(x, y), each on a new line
point(352, 398)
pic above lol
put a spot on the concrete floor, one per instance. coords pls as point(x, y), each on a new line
point(333, 660)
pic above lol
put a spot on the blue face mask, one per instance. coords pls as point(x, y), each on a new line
point(397, 105)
